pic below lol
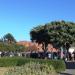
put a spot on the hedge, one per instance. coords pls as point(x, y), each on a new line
point(59, 65)
point(32, 68)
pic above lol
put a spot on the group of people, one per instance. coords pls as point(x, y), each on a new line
point(70, 56)
point(67, 56)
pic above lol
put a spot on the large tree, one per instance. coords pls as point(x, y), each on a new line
point(58, 33)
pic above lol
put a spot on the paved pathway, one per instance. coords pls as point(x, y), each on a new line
point(70, 68)
point(68, 72)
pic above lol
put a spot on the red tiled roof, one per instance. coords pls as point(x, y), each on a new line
point(25, 43)
point(37, 47)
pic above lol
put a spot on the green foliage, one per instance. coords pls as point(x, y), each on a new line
point(58, 65)
point(11, 47)
point(9, 38)
point(8, 43)
point(32, 68)
point(59, 33)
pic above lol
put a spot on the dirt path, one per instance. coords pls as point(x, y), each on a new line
point(3, 70)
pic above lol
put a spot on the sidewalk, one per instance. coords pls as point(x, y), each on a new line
point(70, 68)
point(68, 72)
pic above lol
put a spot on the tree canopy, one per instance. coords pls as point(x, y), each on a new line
point(9, 38)
point(11, 47)
point(8, 43)
point(58, 33)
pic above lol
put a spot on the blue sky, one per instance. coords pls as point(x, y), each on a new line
point(18, 17)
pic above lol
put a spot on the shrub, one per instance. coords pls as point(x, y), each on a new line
point(32, 68)
point(59, 65)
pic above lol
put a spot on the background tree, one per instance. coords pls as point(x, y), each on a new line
point(9, 38)
point(12, 47)
point(58, 33)
point(19, 48)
